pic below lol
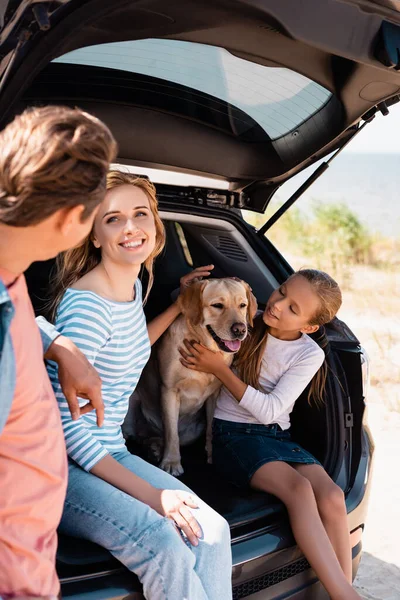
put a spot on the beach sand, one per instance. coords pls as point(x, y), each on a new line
point(378, 576)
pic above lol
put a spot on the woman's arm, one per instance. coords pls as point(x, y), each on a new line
point(160, 324)
point(168, 503)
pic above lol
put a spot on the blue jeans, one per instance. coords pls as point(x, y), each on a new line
point(144, 541)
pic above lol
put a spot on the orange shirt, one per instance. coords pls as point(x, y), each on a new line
point(33, 463)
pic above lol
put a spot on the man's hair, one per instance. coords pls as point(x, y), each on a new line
point(51, 158)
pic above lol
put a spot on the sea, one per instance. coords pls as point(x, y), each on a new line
point(368, 183)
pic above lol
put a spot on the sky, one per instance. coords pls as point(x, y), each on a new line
point(381, 136)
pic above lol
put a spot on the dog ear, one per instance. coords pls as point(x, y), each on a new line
point(191, 302)
point(252, 304)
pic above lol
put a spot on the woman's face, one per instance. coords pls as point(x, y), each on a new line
point(292, 306)
point(124, 227)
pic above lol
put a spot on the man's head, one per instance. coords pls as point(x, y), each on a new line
point(53, 166)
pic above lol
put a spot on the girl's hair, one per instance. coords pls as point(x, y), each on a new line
point(76, 262)
point(248, 359)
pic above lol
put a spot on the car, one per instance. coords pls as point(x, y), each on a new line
point(241, 95)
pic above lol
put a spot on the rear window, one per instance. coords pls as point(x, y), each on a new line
point(277, 99)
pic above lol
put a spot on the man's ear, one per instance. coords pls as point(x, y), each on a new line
point(191, 302)
point(310, 329)
point(69, 218)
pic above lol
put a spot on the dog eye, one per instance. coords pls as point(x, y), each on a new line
point(218, 305)
point(243, 305)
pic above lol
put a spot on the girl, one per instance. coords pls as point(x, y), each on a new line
point(138, 512)
point(251, 429)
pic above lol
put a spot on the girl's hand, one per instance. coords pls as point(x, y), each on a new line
point(197, 357)
point(195, 275)
point(174, 505)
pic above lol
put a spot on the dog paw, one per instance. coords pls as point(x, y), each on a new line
point(173, 467)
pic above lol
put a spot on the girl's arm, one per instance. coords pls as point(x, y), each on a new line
point(266, 408)
point(157, 326)
point(199, 358)
point(168, 503)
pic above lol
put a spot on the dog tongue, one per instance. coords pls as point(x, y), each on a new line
point(233, 345)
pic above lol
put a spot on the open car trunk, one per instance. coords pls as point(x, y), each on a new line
point(322, 430)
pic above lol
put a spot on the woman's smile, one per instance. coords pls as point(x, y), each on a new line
point(132, 245)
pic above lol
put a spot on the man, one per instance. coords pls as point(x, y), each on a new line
point(53, 165)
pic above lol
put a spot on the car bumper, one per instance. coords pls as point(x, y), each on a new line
point(281, 574)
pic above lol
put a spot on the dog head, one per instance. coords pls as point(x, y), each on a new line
point(225, 308)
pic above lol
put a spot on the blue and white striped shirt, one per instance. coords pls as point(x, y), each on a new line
point(113, 336)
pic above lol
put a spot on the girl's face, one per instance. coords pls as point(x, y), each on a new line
point(292, 306)
point(124, 227)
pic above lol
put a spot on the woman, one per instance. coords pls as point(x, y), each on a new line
point(138, 512)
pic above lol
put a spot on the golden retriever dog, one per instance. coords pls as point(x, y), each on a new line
point(216, 313)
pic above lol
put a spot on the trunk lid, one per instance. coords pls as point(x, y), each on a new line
point(246, 91)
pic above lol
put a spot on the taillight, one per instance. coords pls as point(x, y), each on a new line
point(365, 372)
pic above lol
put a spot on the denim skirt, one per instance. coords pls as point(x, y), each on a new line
point(240, 449)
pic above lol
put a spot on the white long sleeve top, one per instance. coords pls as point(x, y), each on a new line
point(286, 369)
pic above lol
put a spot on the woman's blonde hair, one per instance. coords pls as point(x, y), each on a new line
point(248, 359)
point(75, 263)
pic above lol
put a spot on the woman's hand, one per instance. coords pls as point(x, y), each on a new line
point(174, 505)
point(195, 275)
point(197, 357)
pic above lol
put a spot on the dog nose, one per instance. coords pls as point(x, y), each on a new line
point(239, 329)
